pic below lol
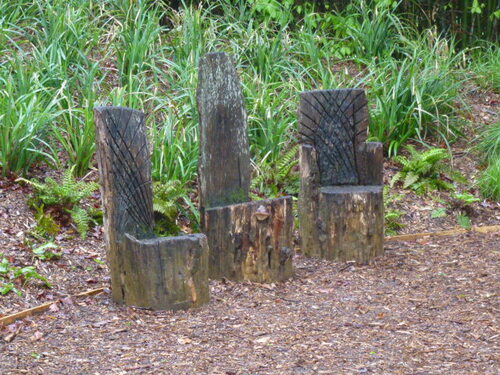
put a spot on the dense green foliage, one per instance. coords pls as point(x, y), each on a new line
point(60, 58)
point(489, 149)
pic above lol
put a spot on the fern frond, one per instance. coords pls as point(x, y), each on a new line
point(397, 177)
point(410, 179)
point(81, 219)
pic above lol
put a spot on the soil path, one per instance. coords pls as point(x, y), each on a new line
point(426, 307)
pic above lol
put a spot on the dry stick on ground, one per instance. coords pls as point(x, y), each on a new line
point(9, 319)
point(452, 232)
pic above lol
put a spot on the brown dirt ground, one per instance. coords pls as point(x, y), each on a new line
point(426, 307)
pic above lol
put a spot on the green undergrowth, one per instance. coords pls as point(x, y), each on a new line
point(59, 59)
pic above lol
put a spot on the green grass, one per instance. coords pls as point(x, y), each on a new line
point(485, 64)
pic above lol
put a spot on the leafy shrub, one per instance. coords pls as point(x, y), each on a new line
point(489, 181)
point(26, 112)
point(375, 32)
point(64, 196)
point(489, 143)
point(423, 171)
point(489, 149)
point(486, 67)
point(415, 96)
point(169, 200)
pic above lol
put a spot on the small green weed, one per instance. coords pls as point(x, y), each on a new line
point(11, 276)
point(464, 221)
point(392, 216)
point(439, 212)
point(46, 225)
point(44, 251)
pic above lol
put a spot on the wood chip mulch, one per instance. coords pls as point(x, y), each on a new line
point(426, 307)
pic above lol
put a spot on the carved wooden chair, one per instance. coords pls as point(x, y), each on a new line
point(146, 271)
point(341, 210)
point(247, 240)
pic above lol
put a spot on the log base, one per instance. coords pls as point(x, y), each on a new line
point(251, 241)
point(169, 273)
point(351, 223)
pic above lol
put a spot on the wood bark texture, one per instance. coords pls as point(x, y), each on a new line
point(224, 164)
point(308, 201)
point(352, 223)
point(341, 175)
point(251, 241)
point(166, 273)
point(126, 190)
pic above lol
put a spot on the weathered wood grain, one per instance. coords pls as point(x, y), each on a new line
point(224, 164)
point(370, 163)
point(335, 123)
point(145, 271)
point(308, 201)
point(352, 223)
point(125, 174)
point(251, 241)
point(168, 272)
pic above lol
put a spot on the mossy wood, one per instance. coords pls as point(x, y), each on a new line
point(251, 241)
point(340, 203)
point(242, 247)
point(157, 273)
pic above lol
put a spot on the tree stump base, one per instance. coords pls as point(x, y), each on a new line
point(351, 223)
point(169, 273)
point(251, 241)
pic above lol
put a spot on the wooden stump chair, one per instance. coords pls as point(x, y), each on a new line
point(247, 240)
point(341, 210)
point(157, 273)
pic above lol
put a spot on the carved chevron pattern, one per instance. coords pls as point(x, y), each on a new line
point(334, 122)
point(131, 165)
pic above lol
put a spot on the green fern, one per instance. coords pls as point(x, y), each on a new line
point(65, 193)
point(272, 179)
point(423, 171)
point(171, 199)
point(66, 196)
point(81, 218)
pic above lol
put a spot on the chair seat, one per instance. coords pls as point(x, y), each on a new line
point(348, 189)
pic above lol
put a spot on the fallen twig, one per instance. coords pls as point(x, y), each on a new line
point(9, 319)
point(452, 232)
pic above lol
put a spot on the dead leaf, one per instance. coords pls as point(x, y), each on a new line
point(184, 340)
point(263, 340)
point(36, 336)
